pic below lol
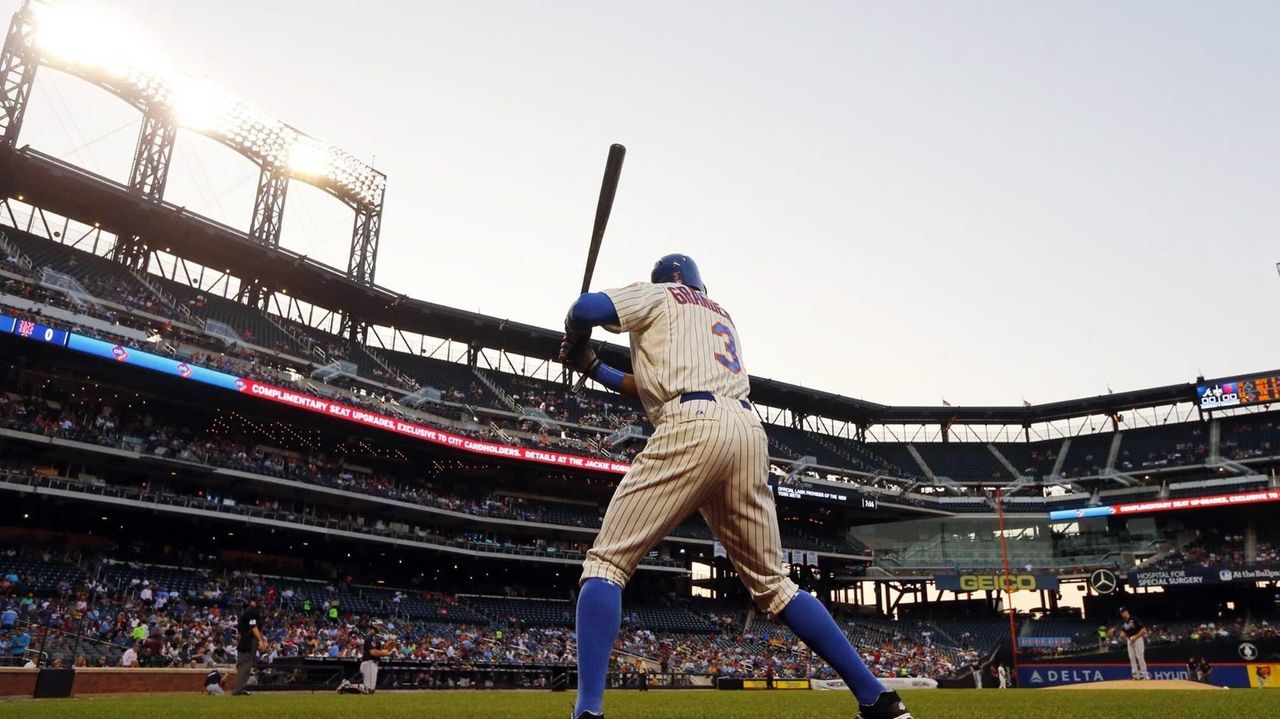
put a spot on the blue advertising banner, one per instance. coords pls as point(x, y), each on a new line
point(131, 356)
point(1050, 675)
point(1193, 576)
point(33, 330)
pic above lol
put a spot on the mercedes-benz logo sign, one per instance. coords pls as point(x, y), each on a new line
point(1104, 581)
point(1248, 652)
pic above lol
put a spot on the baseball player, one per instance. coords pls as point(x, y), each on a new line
point(250, 643)
point(1135, 632)
point(374, 649)
point(708, 453)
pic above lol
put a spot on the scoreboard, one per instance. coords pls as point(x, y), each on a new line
point(1239, 391)
point(33, 331)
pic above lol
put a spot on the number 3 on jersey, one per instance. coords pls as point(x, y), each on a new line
point(730, 356)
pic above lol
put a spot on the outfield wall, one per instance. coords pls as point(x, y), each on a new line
point(16, 682)
point(1234, 662)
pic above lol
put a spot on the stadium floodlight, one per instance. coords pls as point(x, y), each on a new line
point(309, 158)
point(114, 58)
point(86, 40)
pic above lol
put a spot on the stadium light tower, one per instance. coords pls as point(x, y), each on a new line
point(115, 60)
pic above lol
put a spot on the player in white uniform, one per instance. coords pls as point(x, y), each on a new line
point(708, 453)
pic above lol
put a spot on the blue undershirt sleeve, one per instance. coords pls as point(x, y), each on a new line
point(593, 309)
point(608, 376)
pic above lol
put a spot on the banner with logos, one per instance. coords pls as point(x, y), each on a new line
point(995, 582)
point(1043, 642)
point(775, 684)
point(1264, 676)
point(123, 354)
point(349, 413)
point(1169, 505)
point(1194, 576)
point(1031, 675)
point(894, 683)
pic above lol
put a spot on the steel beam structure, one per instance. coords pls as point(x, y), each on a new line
point(362, 262)
point(148, 176)
point(18, 65)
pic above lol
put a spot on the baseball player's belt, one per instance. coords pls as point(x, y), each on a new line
point(694, 396)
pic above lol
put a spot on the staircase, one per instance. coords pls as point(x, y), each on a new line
point(1004, 461)
point(493, 426)
point(937, 629)
point(915, 454)
point(1062, 457)
point(623, 434)
point(1114, 450)
point(1185, 537)
point(854, 463)
point(799, 466)
point(497, 391)
point(10, 250)
point(302, 339)
point(166, 298)
point(783, 449)
point(402, 378)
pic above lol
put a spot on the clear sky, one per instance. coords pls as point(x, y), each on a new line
point(898, 201)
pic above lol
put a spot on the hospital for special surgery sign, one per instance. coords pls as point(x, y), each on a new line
point(1192, 576)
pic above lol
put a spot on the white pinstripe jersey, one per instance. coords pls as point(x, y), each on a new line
point(681, 341)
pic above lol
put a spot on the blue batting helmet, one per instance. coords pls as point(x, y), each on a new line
point(678, 268)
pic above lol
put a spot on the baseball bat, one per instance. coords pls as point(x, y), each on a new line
point(608, 188)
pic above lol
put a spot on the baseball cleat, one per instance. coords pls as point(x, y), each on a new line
point(589, 715)
point(888, 706)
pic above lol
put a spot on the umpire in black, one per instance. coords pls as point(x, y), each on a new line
point(249, 644)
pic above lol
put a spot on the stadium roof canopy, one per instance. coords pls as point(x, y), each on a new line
point(58, 187)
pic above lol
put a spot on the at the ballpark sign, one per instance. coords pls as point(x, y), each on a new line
point(1192, 576)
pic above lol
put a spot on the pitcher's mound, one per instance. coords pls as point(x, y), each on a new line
point(1144, 685)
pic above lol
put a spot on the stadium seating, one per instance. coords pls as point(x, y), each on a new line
point(963, 462)
point(1249, 436)
point(1035, 459)
point(1087, 455)
point(529, 612)
point(1167, 446)
point(803, 444)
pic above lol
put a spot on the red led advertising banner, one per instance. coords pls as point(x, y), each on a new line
point(424, 433)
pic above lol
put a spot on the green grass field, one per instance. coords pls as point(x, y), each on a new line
point(937, 704)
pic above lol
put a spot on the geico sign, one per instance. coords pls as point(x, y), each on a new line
point(996, 582)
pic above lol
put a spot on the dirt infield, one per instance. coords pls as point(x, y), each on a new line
point(1130, 684)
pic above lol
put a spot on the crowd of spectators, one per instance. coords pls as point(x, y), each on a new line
point(133, 615)
point(1214, 549)
point(165, 333)
point(89, 418)
point(1249, 438)
point(378, 388)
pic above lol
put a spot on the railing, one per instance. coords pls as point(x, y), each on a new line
point(497, 391)
point(163, 296)
point(11, 250)
point(303, 340)
point(49, 644)
point(404, 379)
point(166, 501)
point(69, 286)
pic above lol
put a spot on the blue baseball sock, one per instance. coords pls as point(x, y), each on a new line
point(599, 617)
point(813, 624)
